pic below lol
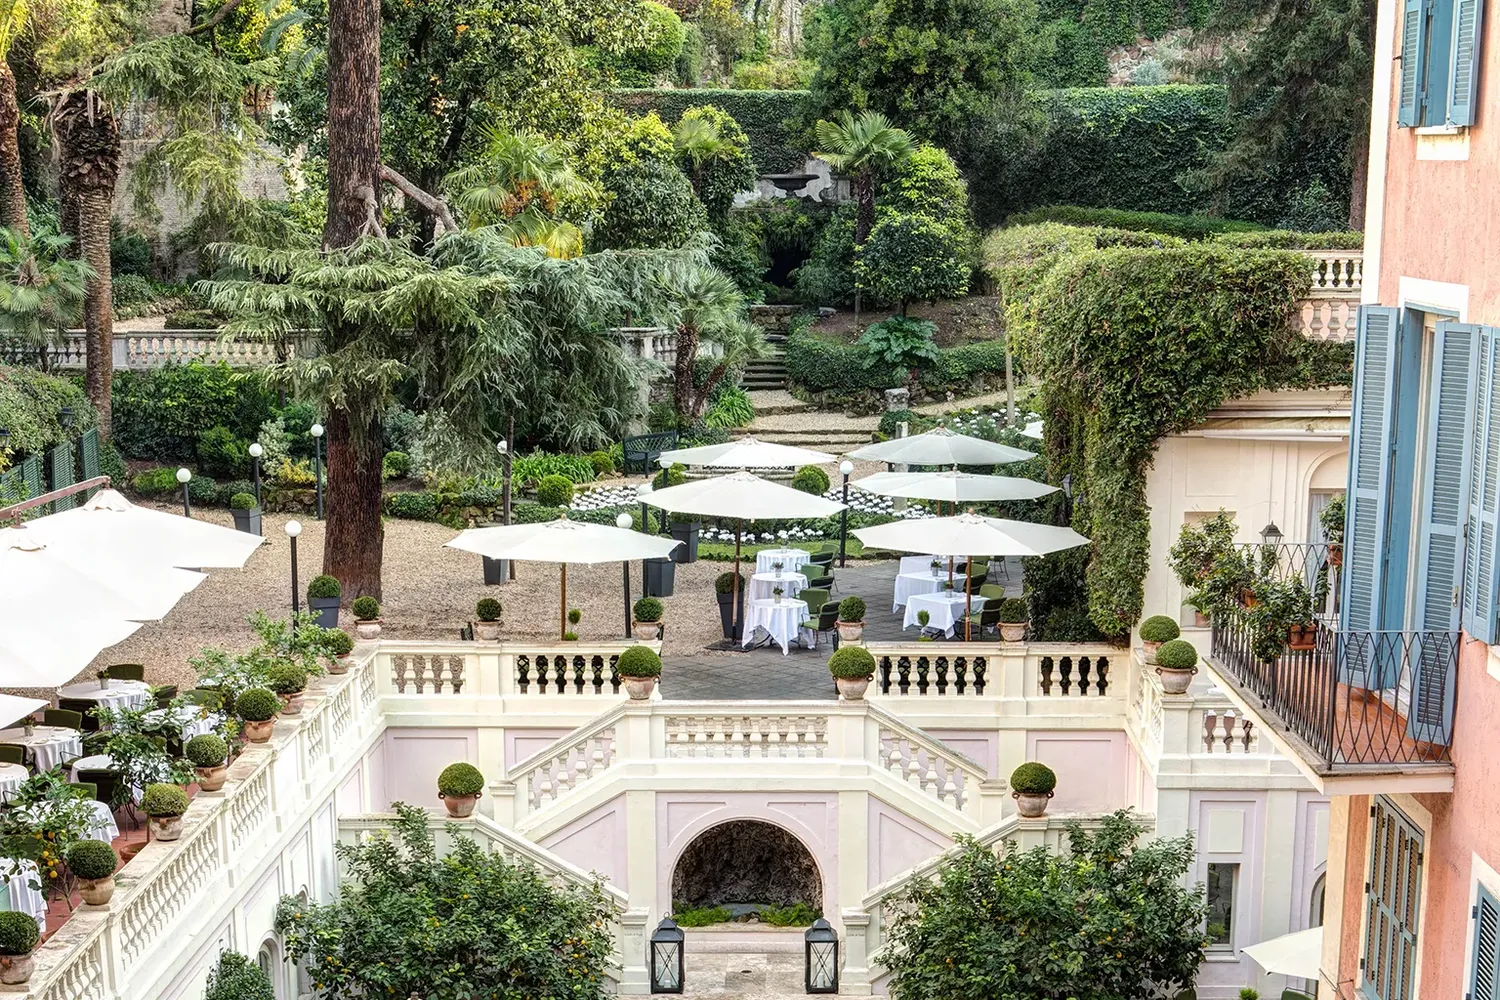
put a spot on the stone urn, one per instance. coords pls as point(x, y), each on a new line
point(1175, 680)
point(459, 806)
point(165, 827)
point(15, 969)
point(291, 704)
point(340, 665)
point(211, 779)
point(1148, 651)
point(258, 732)
point(852, 688)
point(1031, 804)
point(367, 630)
point(487, 631)
point(97, 891)
point(1013, 631)
point(639, 688)
point(646, 631)
point(851, 631)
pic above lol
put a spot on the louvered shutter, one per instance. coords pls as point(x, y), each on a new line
point(1446, 476)
point(1485, 976)
point(1369, 467)
point(1463, 61)
point(1479, 593)
point(1413, 61)
point(1393, 897)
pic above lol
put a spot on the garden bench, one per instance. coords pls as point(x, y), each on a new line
point(642, 451)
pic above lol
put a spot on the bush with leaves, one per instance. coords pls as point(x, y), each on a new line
point(810, 479)
point(257, 705)
point(339, 642)
point(18, 933)
point(638, 661)
point(1159, 628)
point(366, 609)
point(714, 152)
point(235, 977)
point(460, 778)
point(912, 258)
point(652, 206)
point(487, 610)
point(92, 859)
point(1033, 778)
point(160, 413)
point(206, 750)
point(554, 491)
point(220, 453)
point(899, 344)
point(648, 609)
point(395, 465)
point(1177, 654)
point(852, 609)
point(852, 663)
point(162, 799)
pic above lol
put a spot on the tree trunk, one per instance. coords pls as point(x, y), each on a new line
point(13, 206)
point(98, 316)
point(1359, 180)
point(864, 193)
point(354, 537)
point(682, 382)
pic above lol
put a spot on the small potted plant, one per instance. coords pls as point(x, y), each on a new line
point(103, 677)
point(937, 568)
point(777, 567)
point(323, 594)
point(638, 667)
point(646, 619)
point(289, 681)
point(1154, 631)
point(164, 805)
point(851, 621)
point(1031, 786)
point(246, 513)
point(1015, 619)
point(853, 668)
point(460, 786)
point(725, 588)
point(923, 617)
point(366, 616)
point(257, 709)
point(776, 592)
point(208, 754)
point(488, 626)
point(18, 938)
point(1331, 519)
point(93, 863)
point(1176, 663)
point(339, 644)
point(574, 617)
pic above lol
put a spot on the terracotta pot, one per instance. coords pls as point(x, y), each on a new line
point(96, 891)
point(459, 806)
point(639, 688)
point(340, 665)
point(1302, 637)
point(852, 688)
point(15, 969)
point(1148, 650)
point(1031, 804)
point(646, 631)
point(291, 704)
point(1248, 599)
point(851, 631)
point(367, 630)
point(1013, 631)
point(258, 732)
point(488, 631)
point(165, 827)
point(1200, 620)
point(211, 779)
point(1175, 680)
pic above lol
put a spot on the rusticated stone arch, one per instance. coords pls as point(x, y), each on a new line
point(746, 861)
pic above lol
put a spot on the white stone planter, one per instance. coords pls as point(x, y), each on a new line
point(639, 688)
point(164, 827)
point(97, 891)
point(1175, 680)
point(852, 688)
point(646, 631)
point(487, 631)
point(1013, 631)
point(851, 631)
point(367, 630)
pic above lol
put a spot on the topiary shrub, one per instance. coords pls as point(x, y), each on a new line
point(238, 978)
point(1159, 628)
point(461, 778)
point(488, 609)
point(286, 679)
point(324, 586)
point(1015, 611)
point(554, 491)
point(243, 501)
point(851, 663)
point(574, 616)
point(811, 479)
point(206, 750)
point(725, 583)
point(1177, 654)
point(339, 642)
point(366, 609)
point(852, 609)
point(395, 465)
point(648, 609)
point(18, 933)
point(638, 661)
point(912, 258)
point(570, 637)
point(257, 705)
point(603, 464)
point(162, 799)
point(1033, 778)
point(92, 859)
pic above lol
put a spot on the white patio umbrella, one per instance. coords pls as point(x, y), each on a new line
point(941, 446)
point(41, 581)
point(49, 653)
point(563, 541)
point(14, 708)
point(1033, 430)
point(743, 497)
point(953, 486)
point(748, 453)
point(111, 526)
point(1297, 954)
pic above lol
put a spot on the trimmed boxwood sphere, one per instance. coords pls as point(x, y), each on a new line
point(366, 609)
point(286, 678)
point(811, 479)
point(851, 609)
point(1033, 778)
point(339, 642)
point(206, 750)
point(851, 662)
point(724, 584)
point(461, 779)
point(648, 609)
point(554, 491)
point(92, 859)
point(488, 609)
point(257, 705)
point(18, 933)
point(1178, 654)
point(242, 501)
point(324, 586)
point(1159, 628)
point(639, 661)
point(162, 799)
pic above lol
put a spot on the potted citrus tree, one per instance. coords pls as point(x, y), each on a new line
point(851, 618)
point(1176, 663)
point(638, 667)
point(646, 615)
point(164, 805)
point(1154, 631)
point(257, 710)
point(323, 593)
point(488, 613)
point(18, 939)
point(289, 681)
point(852, 667)
point(93, 863)
point(1015, 619)
point(208, 754)
point(1031, 786)
point(460, 786)
point(340, 644)
point(246, 513)
point(366, 616)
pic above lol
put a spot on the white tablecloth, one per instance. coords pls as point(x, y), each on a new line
point(783, 622)
point(943, 609)
point(11, 776)
point(49, 746)
point(908, 584)
point(21, 897)
point(190, 718)
point(102, 827)
point(130, 694)
point(917, 564)
point(791, 559)
point(761, 585)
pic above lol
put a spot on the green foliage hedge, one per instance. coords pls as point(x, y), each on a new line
point(554, 491)
point(648, 609)
point(366, 609)
point(487, 609)
point(238, 978)
point(639, 661)
point(339, 642)
point(827, 366)
point(1286, 239)
point(1188, 227)
point(324, 585)
point(206, 750)
point(31, 404)
point(810, 479)
point(1178, 654)
point(769, 118)
point(159, 413)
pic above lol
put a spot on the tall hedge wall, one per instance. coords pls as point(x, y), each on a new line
point(31, 405)
point(820, 365)
point(770, 118)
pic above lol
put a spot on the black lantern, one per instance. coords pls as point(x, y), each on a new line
point(65, 417)
point(822, 968)
point(666, 958)
point(1270, 534)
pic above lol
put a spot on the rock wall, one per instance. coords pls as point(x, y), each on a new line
point(746, 861)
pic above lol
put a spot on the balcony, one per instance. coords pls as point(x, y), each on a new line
point(1330, 311)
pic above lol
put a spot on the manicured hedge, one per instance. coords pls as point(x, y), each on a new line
point(769, 118)
point(1285, 239)
point(31, 406)
point(827, 366)
point(1188, 227)
point(159, 413)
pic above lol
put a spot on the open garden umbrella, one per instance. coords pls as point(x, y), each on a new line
point(748, 453)
point(941, 446)
point(59, 583)
point(14, 708)
point(563, 541)
point(742, 497)
point(953, 486)
point(112, 527)
point(49, 653)
point(1298, 954)
point(1033, 430)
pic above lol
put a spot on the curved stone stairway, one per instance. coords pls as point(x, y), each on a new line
point(733, 964)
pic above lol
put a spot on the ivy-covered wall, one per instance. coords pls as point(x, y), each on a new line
point(31, 405)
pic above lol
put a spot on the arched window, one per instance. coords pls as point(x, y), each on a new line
point(1315, 912)
point(269, 960)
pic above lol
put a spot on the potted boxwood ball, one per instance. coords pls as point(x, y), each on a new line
point(1031, 786)
point(323, 594)
point(646, 623)
point(1015, 619)
point(289, 681)
point(164, 805)
point(18, 939)
point(208, 754)
point(638, 667)
point(724, 588)
point(852, 668)
point(1154, 631)
point(851, 621)
point(93, 863)
point(257, 708)
point(246, 513)
point(340, 644)
point(460, 786)
point(1176, 663)
point(488, 613)
point(366, 616)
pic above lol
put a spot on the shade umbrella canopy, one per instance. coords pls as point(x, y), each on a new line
point(56, 584)
point(743, 496)
point(941, 446)
point(1033, 430)
point(14, 708)
point(970, 535)
point(953, 486)
point(111, 526)
point(563, 541)
point(46, 654)
point(748, 453)
point(1297, 954)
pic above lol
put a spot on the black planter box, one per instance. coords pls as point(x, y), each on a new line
point(496, 570)
point(247, 521)
point(327, 610)
point(686, 532)
point(661, 577)
point(726, 615)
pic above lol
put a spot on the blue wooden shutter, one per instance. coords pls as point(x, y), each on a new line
point(1479, 593)
point(1369, 466)
point(1463, 61)
point(1393, 897)
point(1446, 476)
point(1413, 62)
point(1485, 975)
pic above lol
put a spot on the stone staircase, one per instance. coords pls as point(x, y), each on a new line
point(764, 373)
point(785, 419)
point(726, 963)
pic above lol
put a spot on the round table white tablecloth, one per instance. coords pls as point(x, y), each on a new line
point(129, 694)
point(909, 584)
point(11, 777)
point(791, 559)
point(191, 720)
point(943, 610)
point(762, 585)
point(20, 896)
point(781, 621)
point(48, 746)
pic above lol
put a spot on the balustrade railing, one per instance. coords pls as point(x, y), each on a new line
point(1225, 731)
point(932, 671)
point(145, 349)
point(508, 669)
point(758, 736)
point(1331, 309)
point(565, 765)
point(930, 767)
point(993, 669)
point(566, 672)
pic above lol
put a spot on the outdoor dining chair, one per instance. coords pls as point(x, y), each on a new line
point(992, 590)
point(815, 597)
point(988, 617)
point(827, 622)
point(821, 582)
point(84, 709)
point(164, 695)
point(63, 718)
point(126, 671)
point(12, 753)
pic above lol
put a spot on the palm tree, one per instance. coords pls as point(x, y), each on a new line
point(699, 143)
point(710, 309)
point(41, 288)
point(859, 146)
point(13, 203)
point(520, 182)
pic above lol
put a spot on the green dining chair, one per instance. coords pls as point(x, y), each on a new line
point(85, 710)
point(815, 597)
point(126, 671)
point(63, 718)
point(12, 753)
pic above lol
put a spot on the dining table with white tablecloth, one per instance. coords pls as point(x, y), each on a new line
point(99, 762)
point(119, 693)
point(791, 559)
point(188, 720)
point(944, 610)
point(11, 777)
point(47, 746)
point(23, 893)
point(915, 582)
point(781, 620)
point(763, 585)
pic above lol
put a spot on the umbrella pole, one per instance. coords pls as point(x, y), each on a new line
point(968, 599)
point(562, 607)
point(739, 591)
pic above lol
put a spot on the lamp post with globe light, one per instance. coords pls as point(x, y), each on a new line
point(316, 430)
point(256, 451)
point(183, 475)
point(623, 520)
point(845, 467)
point(293, 529)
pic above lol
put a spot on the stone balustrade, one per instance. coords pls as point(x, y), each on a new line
point(994, 669)
point(150, 349)
point(448, 671)
point(1330, 311)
